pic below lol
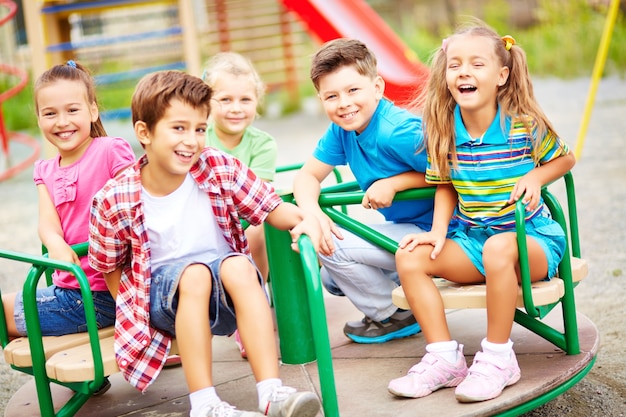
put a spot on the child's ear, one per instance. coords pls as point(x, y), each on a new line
point(503, 76)
point(379, 86)
point(142, 132)
point(95, 113)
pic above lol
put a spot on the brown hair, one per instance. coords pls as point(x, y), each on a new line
point(516, 97)
point(339, 53)
point(72, 71)
point(155, 91)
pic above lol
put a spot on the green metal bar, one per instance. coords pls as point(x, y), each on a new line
point(33, 327)
point(520, 226)
point(317, 313)
point(290, 298)
point(361, 229)
point(573, 214)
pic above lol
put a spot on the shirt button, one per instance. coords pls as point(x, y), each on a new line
point(124, 363)
point(144, 342)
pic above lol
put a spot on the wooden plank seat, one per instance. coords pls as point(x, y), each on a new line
point(18, 353)
point(457, 296)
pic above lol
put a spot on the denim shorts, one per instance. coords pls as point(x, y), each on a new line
point(544, 230)
point(164, 297)
point(61, 310)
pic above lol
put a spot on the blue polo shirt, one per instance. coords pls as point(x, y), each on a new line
point(387, 147)
point(490, 166)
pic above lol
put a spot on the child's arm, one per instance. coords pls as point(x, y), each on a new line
point(446, 199)
point(50, 231)
point(306, 190)
point(530, 184)
point(290, 217)
point(112, 280)
point(381, 193)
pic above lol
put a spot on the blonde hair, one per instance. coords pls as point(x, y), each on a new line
point(516, 97)
point(234, 64)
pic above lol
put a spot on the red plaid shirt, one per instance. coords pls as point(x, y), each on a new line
point(118, 238)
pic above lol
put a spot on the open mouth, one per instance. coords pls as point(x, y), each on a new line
point(467, 88)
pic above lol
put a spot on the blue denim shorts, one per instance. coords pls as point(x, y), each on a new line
point(547, 232)
point(164, 297)
point(61, 311)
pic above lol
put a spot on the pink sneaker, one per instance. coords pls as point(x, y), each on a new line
point(487, 377)
point(242, 350)
point(433, 372)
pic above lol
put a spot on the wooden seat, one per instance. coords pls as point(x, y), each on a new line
point(75, 364)
point(456, 296)
point(17, 352)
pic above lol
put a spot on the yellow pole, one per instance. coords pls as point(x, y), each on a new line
point(598, 68)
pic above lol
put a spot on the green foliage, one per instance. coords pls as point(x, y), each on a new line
point(19, 110)
point(563, 44)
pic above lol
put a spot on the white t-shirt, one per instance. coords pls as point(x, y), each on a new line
point(182, 226)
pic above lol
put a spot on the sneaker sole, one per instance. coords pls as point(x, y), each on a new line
point(305, 407)
point(462, 398)
point(398, 334)
point(450, 384)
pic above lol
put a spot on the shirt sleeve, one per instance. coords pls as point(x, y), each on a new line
point(330, 149)
point(550, 148)
point(105, 248)
point(121, 155)
point(433, 177)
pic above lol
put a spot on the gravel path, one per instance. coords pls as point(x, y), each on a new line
point(600, 175)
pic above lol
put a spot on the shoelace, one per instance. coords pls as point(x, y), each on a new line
point(223, 409)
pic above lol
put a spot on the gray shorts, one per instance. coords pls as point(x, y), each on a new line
point(164, 297)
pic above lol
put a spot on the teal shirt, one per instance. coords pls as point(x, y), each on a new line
point(257, 149)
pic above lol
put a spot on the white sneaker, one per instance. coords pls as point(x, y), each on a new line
point(287, 402)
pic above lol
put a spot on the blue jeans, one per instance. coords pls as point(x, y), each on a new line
point(364, 272)
point(61, 311)
point(164, 297)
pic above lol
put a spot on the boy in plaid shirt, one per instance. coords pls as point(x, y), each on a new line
point(167, 235)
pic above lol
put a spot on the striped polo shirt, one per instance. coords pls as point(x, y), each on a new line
point(490, 166)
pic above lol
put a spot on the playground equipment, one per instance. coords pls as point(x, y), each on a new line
point(8, 169)
point(80, 362)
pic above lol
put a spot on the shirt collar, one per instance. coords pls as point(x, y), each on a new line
point(494, 135)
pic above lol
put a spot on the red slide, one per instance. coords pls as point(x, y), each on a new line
point(402, 71)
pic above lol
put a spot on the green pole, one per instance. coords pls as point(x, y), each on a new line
point(290, 298)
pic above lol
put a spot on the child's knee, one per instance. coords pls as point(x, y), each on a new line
point(196, 278)
point(238, 270)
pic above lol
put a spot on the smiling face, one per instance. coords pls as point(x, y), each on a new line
point(172, 147)
point(349, 98)
point(233, 106)
point(474, 72)
point(64, 116)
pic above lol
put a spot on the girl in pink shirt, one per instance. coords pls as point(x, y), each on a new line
point(68, 116)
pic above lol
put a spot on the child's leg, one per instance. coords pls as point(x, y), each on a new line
point(193, 329)
point(254, 317)
point(501, 261)
point(416, 270)
point(258, 250)
point(8, 303)
point(444, 364)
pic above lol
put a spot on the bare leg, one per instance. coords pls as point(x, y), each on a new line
point(254, 318)
point(256, 240)
point(193, 329)
point(8, 303)
point(501, 260)
point(416, 270)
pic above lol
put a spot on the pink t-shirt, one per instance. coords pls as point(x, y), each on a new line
point(72, 188)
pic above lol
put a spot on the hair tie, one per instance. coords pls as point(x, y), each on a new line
point(444, 44)
point(71, 63)
point(508, 42)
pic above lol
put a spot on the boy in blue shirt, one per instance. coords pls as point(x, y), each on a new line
point(380, 143)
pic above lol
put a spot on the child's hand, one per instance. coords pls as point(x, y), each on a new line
point(411, 241)
point(328, 228)
point(63, 253)
point(309, 226)
point(530, 188)
point(378, 195)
